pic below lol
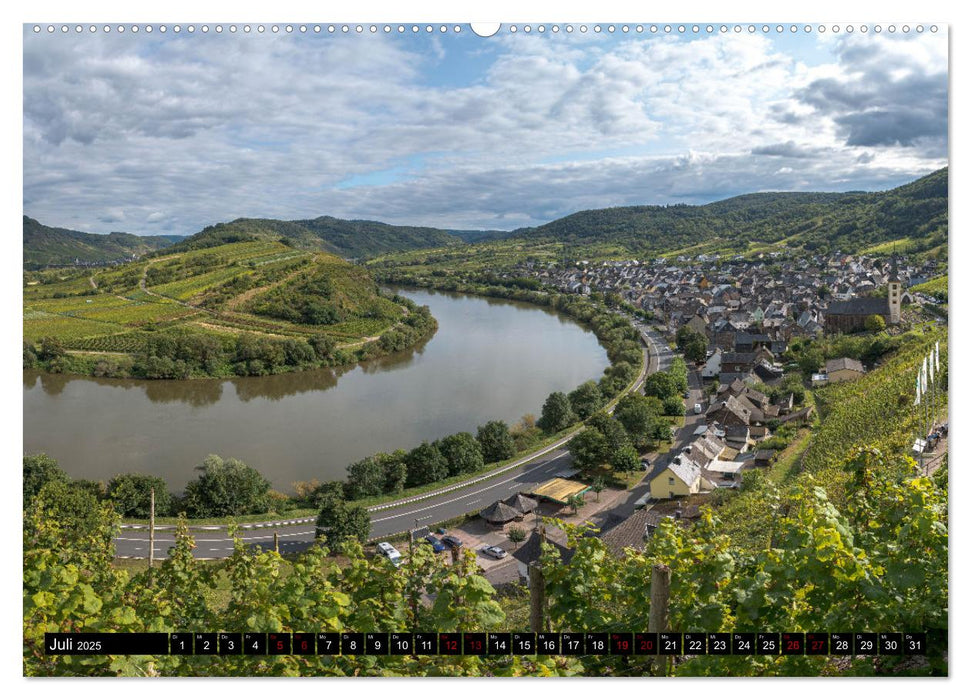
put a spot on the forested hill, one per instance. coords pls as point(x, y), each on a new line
point(349, 239)
point(913, 217)
point(45, 245)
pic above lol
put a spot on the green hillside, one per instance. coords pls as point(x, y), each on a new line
point(46, 245)
point(349, 239)
point(252, 307)
point(849, 221)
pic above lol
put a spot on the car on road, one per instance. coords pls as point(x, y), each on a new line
point(435, 543)
point(697, 408)
point(388, 550)
point(452, 541)
point(493, 551)
point(645, 465)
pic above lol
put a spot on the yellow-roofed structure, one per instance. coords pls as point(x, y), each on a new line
point(559, 490)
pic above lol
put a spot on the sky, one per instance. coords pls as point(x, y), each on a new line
point(167, 133)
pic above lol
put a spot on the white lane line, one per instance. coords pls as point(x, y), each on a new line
point(224, 539)
point(515, 486)
point(475, 501)
point(452, 500)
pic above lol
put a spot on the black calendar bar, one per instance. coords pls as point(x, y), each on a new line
point(95, 643)
point(490, 643)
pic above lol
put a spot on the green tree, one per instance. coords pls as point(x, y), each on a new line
point(496, 441)
point(638, 416)
point(557, 413)
point(576, 501)
point(673, 406)
point(599, 484)
point(39, 470)
point(679, 375)
point(589, 449)
point(226, 487)
point(366, 478)
point(516, 534)
point(692, 344)
point(462, 453)
point(132, 495)
point(810, 361)
point(425, 465)
point(625, 460)
point(395, 470)
point(586, 399)
point(874, 323)
point(660, 385)
point(338, 522)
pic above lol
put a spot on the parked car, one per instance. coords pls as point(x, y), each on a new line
point(645, 465)
point(452, 541)
point(388, 550)
point(493, 551)
point(435, 543)
point(697, 408)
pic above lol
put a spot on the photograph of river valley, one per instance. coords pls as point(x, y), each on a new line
point(595, 350)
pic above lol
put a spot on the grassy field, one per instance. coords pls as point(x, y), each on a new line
point(215, 290)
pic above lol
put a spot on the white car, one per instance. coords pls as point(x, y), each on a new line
point(388, 550)
point(493, 551)
point(697, 408)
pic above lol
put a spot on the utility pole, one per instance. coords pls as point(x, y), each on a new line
point(276, 541)
point(151, 528)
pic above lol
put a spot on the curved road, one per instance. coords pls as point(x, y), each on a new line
point(213, 542)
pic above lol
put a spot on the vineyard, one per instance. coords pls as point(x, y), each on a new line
point(260, 287)
point(876, 409)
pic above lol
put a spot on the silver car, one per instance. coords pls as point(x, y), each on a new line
point(493, 551)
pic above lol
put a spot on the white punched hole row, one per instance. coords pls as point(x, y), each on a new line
point(484, 30)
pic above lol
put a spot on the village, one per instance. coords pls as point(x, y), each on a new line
point(748, 312)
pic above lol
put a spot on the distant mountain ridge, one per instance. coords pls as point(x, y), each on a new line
point(47, 245)
point(347, 238)
point(848, 221)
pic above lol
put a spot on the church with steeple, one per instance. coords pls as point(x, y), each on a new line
point(850, 316)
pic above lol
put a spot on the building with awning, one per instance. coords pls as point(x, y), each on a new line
point(559, 490)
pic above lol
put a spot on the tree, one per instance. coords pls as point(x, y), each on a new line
point(226, 487)
point(516, 534)
point(425, 465)
point(810, 361)
point(557, 413)
point(613, 433)
point(625, 460)
point(462, 453)
point(638, 417)
point(673, 406)
point(589, 449)
point(575, 501)
point(366, 478)
point(692, 344)
point(395, 470)
point(338, 523)
point(679, 375)
point(132, 495)
point(586, 399)
point(496, 441)
point(39, 470)
point(599, 484)
point(874, 323)
point(660, 385)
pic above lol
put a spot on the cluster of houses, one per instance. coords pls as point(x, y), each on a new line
point(774, 297)
point(726, 444)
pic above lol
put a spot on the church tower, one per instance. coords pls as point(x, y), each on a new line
point(894, 292)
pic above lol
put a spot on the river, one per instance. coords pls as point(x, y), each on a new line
point(489, 359)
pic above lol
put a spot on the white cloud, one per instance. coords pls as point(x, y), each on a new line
point(170, 134)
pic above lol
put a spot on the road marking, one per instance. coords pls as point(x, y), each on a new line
point(514, 486)
point(475, 501)
point(452, 500)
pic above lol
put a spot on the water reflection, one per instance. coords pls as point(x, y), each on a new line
point(489, 359)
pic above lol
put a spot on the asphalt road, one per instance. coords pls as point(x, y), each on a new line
point(297, 535)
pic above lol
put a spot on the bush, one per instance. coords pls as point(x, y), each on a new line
point(40, 470)
point(673, 406)
point(226, 487)
point(131, 495)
